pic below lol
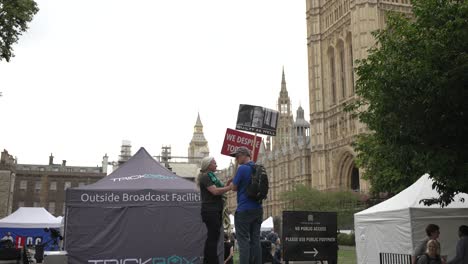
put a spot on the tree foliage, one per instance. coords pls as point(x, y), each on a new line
point(413, 90)
point(14, 16)
point(345, 203)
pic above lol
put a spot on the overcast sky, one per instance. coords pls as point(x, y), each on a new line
point(89, 74)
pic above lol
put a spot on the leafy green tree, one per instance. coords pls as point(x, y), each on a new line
point(14, 16)
point(413, 90)
point(345, 203)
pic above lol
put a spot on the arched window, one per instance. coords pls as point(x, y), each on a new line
point(342, 72)
point(331, 59)
point(355, 186)
point(349, 43)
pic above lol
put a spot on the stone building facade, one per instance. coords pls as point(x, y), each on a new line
point(44, 185)
point(285, 156)
point(7, 183)
point(338, 34)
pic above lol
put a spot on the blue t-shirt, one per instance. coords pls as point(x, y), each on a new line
point(242, 178)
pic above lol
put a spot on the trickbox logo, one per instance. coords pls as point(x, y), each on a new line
point(154, 260)
point(144, 176)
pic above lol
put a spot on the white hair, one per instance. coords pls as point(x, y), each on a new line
point(205, 163)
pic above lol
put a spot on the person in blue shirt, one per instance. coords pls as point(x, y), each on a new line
point(249, 213)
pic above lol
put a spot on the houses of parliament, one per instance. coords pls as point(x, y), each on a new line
point(316, 154)
point(286, 156)
point(289, 160)
point(319, 154)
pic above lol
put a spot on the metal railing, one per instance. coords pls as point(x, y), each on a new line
point(394, 258)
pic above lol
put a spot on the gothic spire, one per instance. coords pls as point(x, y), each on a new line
point(285, 121)
point(198, 123)
point(283, 83)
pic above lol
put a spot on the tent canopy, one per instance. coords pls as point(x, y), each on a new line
point(411, 197)
point(141, 181)
point(398, 224)
point(231, 219)
point(140, 211)
point(141, 172)
point(267, 225)
point(30, 217)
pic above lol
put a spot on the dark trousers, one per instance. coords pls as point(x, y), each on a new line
point(213, 222)
point(248, 225)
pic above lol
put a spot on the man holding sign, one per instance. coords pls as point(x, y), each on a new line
point(249, 213)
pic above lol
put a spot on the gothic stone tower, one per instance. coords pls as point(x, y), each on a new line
point(284, 131)
point(338, 33)
point(198, 147)
point(288, 160)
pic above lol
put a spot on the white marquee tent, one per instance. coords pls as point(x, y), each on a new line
point(398, 224)
point(30, 217)
point(231, 218)
point(27, 226)
point(267, 225)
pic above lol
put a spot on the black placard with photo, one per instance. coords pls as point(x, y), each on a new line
point(257, 119)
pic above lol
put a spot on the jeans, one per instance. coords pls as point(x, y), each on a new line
point(248, 235)
point(213, 222)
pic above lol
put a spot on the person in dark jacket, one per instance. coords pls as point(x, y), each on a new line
point(461, 256)
point(211, 190)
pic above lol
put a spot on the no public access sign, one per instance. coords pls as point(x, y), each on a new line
point(310, 236)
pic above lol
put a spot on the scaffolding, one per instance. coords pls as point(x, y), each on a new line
point(125, 151)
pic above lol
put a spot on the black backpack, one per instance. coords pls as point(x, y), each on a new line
point(257, 189)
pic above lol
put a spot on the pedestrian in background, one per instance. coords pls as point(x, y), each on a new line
point(432, 254)
point(228, 250)
point(433, 233)
point(461, 256)
point(7, 241)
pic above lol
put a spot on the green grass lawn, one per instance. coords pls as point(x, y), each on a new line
point(346, 255)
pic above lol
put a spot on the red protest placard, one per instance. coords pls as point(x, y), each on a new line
point(235, 139)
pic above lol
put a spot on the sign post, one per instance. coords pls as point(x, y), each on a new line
point(310, 236)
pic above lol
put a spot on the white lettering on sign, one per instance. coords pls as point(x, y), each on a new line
point(311, 228)
point(147, 197)
point(231, 148)
point(231, 137)
point(310, 239)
